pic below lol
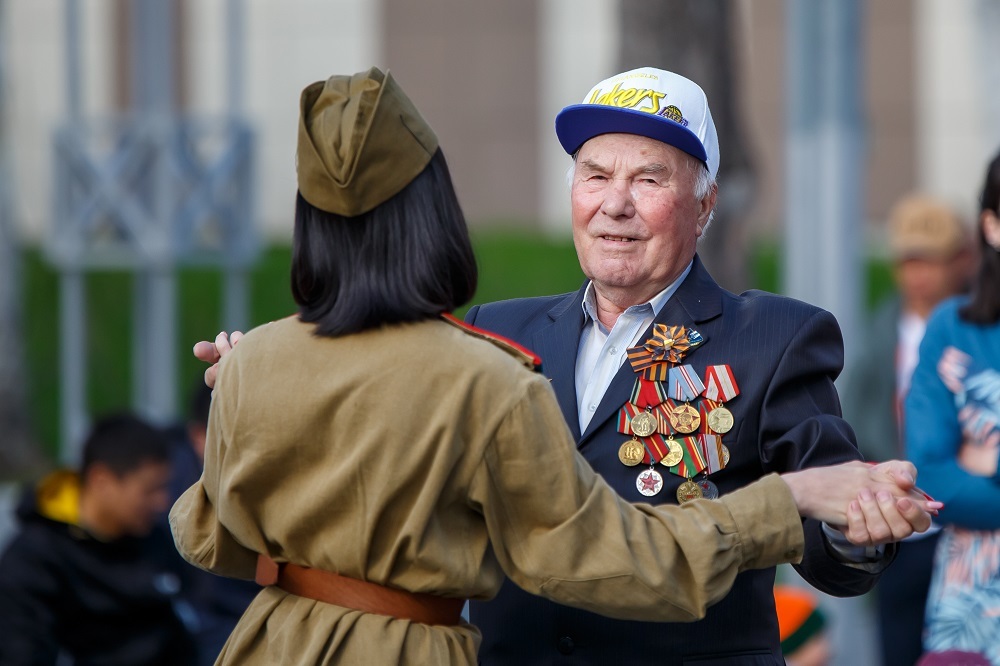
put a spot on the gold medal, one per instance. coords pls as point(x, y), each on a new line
point(684, 418)
point(725, 455)
point(675, 453)
point(631, 452)
point(649, 482)
point(643, 424)
point(720, 420)
point(687, 491)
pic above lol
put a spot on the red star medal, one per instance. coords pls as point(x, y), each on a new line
point(649, 482)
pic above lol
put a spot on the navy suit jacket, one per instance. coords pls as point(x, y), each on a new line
point(785, 355)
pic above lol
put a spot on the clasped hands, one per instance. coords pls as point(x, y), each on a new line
point(870, 504)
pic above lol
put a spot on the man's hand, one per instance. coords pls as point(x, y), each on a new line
point(871, 504)
point(212, 352)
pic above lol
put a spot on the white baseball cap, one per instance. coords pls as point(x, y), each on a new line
point(649, 102)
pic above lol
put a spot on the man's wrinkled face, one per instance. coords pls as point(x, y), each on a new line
point(636, 219)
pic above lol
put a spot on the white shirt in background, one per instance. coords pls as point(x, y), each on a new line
point(910, 330)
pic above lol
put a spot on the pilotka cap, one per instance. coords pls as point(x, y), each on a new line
point(361, 141)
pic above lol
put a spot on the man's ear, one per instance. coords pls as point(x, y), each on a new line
point(707, 206)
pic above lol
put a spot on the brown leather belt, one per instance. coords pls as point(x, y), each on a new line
point(332, 588)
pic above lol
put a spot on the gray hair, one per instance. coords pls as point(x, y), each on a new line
point(703, 186)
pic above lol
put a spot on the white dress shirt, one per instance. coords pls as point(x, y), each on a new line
point(602, 352)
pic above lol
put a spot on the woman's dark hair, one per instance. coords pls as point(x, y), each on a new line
point(408, 259)
point(984, 305)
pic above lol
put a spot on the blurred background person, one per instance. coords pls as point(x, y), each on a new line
point(802, 627)
point(952, 432)
point(218, 602)
point(90, 574)
point(931, 261)
point(953, 658)
point(187, 442)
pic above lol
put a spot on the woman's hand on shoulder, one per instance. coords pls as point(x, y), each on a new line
point(212, 352)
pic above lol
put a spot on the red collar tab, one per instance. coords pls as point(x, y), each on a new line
point(530, 358)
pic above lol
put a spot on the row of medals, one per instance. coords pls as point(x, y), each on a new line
point(685, 419)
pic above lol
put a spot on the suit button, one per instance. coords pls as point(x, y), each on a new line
point(566, 645)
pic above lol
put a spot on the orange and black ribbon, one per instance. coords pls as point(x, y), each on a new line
point(667, 347)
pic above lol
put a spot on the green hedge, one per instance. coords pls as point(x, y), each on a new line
point(512, 264)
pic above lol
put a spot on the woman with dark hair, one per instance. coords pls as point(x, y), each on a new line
point(953, 435)
point(407, 260)
point(374, 463)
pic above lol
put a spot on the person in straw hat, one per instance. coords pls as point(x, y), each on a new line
point(374, 463)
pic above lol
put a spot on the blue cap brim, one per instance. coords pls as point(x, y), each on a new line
point(577, 124)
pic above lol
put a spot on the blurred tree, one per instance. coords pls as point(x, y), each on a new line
point(17, 455)
point(698, 39)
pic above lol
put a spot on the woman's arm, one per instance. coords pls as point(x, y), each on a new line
point(934, 435)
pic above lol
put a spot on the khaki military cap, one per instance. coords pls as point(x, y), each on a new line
point(361, 141)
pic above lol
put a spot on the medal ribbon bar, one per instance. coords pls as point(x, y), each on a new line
point(706, 406)
point(711, 449)
point(693, 462)
point(720, 384)
point(625, 415)
point(647, 393)
point(684, 382)
point(656, 447)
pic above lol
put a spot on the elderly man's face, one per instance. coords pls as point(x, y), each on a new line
point(636, 220)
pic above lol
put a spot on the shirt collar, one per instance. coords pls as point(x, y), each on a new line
point(656, 303)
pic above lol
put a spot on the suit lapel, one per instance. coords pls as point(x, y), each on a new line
point(557, 345)
point(698, 299)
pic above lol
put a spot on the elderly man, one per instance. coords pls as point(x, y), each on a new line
point(750, 392)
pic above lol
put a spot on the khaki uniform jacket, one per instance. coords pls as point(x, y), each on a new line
point(425, 458)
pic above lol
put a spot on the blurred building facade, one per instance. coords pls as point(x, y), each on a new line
point(490, 78)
